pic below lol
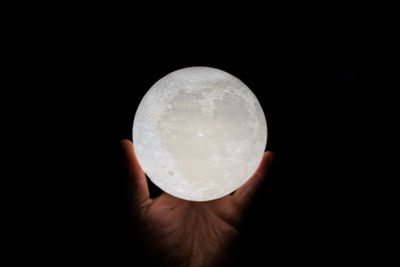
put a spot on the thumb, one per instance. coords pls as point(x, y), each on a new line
point(138, 184)
point(246, 192)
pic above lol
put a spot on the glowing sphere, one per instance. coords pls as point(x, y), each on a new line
point(199, 133)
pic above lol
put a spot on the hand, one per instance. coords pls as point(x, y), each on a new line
point(186, 233)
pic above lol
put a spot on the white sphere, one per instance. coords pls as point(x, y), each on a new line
point(199, 133)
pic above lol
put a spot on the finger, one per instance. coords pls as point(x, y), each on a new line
point(246, 192)
point(139, 189)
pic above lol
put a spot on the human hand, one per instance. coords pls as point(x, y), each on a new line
point(187, 233)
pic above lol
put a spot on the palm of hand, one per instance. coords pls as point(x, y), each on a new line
point(187, 233)
point(192, 233)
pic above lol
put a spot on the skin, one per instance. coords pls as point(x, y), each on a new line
point(178, 232)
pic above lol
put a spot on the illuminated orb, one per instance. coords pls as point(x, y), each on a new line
point(199, 133)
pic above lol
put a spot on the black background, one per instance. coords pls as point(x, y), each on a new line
point(307, 77)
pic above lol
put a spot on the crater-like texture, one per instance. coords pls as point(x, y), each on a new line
point(199, 133)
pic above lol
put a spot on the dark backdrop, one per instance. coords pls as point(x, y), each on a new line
point(306, 81)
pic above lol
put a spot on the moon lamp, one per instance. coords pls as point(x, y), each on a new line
point(199, 133)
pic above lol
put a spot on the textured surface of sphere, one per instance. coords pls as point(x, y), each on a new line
point(199, 133)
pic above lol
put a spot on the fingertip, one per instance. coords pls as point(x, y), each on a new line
point(125, 142)
point(266, 162)
point(269, 155)
point(127, 146)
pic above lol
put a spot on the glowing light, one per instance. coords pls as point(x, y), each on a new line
point(199, 133)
